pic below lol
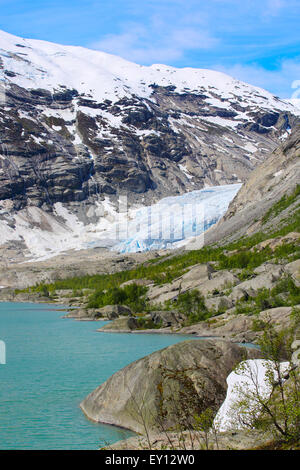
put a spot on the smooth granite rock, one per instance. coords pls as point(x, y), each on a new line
point(157, 391)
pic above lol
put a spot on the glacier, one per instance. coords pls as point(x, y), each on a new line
point(173, 221)
point(170, 223)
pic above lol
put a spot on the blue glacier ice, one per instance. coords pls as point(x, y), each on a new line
point(174, 220)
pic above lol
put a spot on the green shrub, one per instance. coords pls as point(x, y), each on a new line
point(132, 295)
point(246, 274)
point(191, 304)
point(282, 204)
point(295, 318)
point(284, 293)
point(147, 323)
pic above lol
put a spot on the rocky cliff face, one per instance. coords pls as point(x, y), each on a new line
point(79, 127)
point(275, 178)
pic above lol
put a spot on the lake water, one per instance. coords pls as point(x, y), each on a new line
point(51, 365)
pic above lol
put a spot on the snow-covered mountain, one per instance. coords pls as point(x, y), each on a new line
point(79, 127)
point(34, 64)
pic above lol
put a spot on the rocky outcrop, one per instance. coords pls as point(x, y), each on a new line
point(194, 278)
point(9, 295)
point(251, 287)
point(124, 325)
point(67, 265)
point(275, 178)
point(221, 280)
point(213, 284)
point(166, 319)
point(241, 327)
point(294, 270)
point(114, 311)
point(273, 243)
point(109, 312)
point(169, 385)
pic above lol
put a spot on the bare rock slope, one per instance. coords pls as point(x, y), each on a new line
point(173, 384)
point(274, 179)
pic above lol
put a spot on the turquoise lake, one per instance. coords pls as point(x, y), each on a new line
point(51, 365)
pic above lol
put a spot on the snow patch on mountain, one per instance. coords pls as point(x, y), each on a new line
point(99, 76)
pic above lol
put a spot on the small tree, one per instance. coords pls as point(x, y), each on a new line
point(205, 423)
point(271, 405)
point(192, 305)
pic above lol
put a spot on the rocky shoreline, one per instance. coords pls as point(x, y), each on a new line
point(238, 328)
point(205, 360)
point(237, 440)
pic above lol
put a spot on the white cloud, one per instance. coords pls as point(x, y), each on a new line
point(223, 32)
point(160, 42)
point(281, 81)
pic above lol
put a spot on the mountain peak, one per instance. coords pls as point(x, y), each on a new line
point(34, 63)
point(78, 127)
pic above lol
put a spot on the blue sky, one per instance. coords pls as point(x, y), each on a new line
point(257, 41)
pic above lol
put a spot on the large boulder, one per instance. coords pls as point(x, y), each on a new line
point(197, 274)
point(251, 287)
point(124, 324)
point(114, 311)
point(219, 281)
point(293, 269)
point(166, 318)
point(160, 294)
point(276, 270)
point(194, 278)
point(167, 388)
point(82, 314)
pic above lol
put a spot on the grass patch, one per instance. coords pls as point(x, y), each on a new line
point(281, 205)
